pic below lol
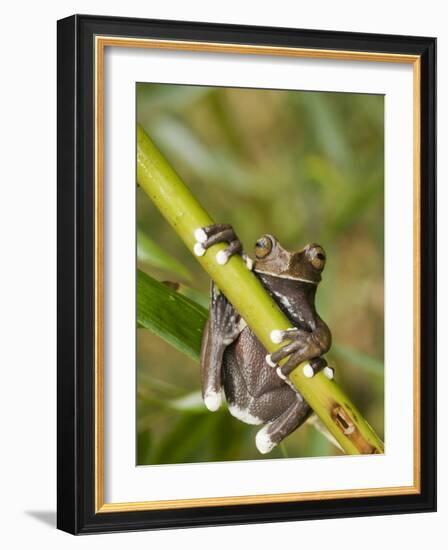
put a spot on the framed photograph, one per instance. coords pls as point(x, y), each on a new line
point(246, 274)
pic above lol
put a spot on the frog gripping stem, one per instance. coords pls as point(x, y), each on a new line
point(248, 296)
point(214, 234)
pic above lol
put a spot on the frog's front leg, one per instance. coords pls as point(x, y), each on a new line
point(219, 233)
point(302, 346)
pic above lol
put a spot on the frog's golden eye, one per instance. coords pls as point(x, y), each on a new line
point(317, 258)
point(263, 247)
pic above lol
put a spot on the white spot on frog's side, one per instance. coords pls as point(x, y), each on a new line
point(329, 373)
point(200, 235)
point(244, 415)
point(285, 301)
point(249, 263)
point(212, 400)
point(198, 249)
point(276, 336)
point(221, 257)
point(308, 371)
point(270, 362)
point(263, 441)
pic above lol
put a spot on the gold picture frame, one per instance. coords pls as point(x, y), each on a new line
point(81, 35)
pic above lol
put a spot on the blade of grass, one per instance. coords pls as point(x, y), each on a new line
point(173, 317)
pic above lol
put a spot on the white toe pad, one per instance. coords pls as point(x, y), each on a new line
point(200, 235)
point(198, 249)
point(308, 371)
point(280, 374)
point(212, 401)
point(263, 442)
point(221, 257)
point(329, 373)
point(276, 336)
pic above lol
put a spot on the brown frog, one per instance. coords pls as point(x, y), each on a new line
point(234, 362)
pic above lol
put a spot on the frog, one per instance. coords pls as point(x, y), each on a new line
point(235, 365)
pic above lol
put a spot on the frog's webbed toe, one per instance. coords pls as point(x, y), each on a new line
point(219, 233)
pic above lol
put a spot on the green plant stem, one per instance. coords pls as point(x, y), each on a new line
point(242, 288)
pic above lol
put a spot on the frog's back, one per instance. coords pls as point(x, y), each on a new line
point(254, 391)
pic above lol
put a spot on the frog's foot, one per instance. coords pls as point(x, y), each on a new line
point(309, 369)
point(302, 346)
point(263, 440)
point(272, 433)
point(219, 233)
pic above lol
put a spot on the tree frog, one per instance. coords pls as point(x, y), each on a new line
point(236, 364)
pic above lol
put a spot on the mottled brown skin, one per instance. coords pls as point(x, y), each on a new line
point(234, 360)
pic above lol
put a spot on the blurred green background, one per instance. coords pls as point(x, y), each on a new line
point(304, 166)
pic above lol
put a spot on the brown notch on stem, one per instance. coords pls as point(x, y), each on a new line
point(349, 429)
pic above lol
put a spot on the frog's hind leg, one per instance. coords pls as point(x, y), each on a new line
point(221, 329)
point(274, 432)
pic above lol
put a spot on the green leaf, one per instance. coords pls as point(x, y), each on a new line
point(189, 434)
point(169, 315)
point(195, 295)
point(151, 253)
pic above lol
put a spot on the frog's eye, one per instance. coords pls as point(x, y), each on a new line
point(263, 247)
point(317, 258)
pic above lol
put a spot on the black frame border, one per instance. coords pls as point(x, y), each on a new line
point(76, 267)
